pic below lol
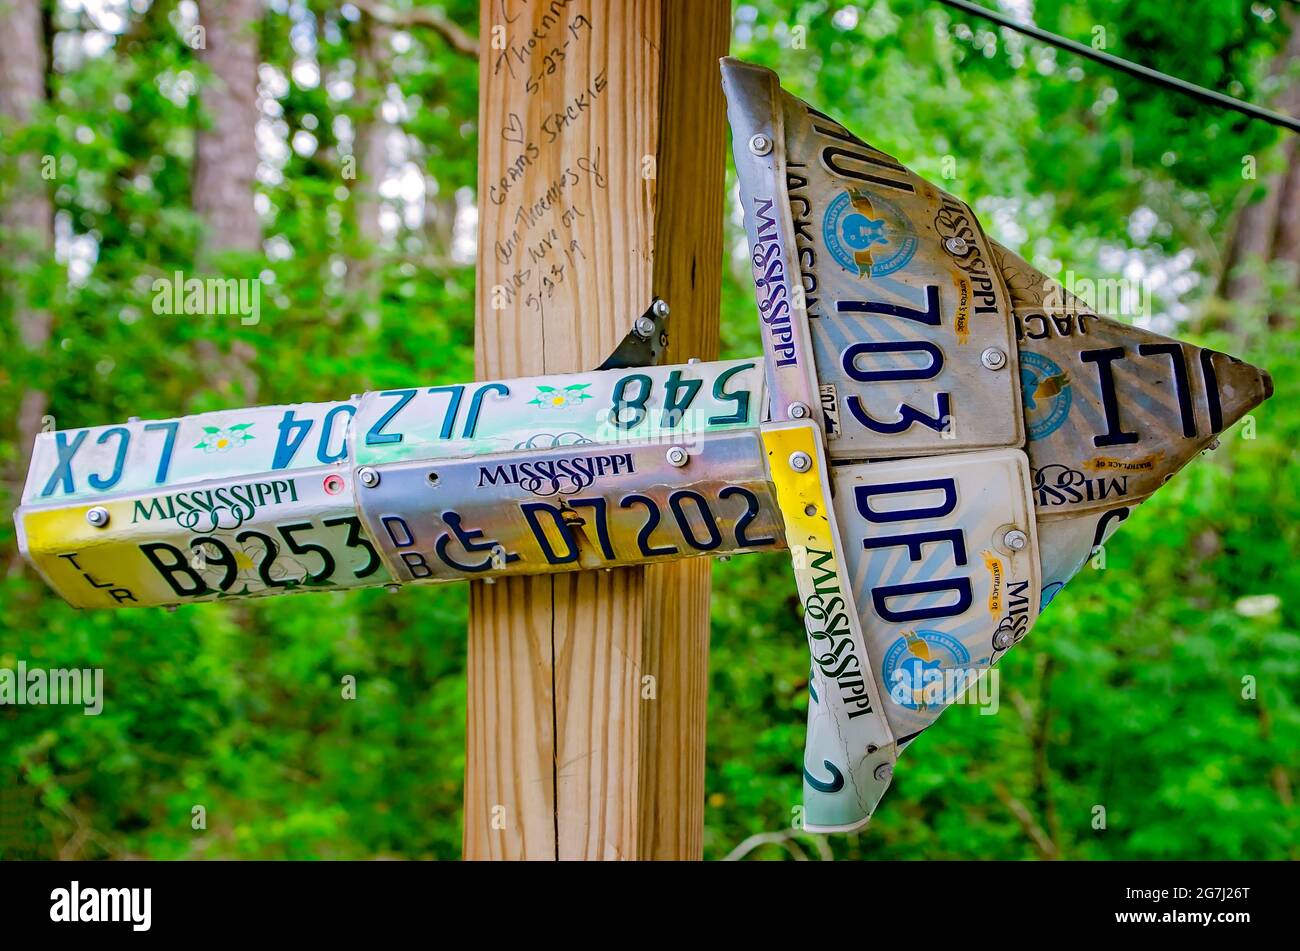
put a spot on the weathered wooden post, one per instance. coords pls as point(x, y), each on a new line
point(602, 135)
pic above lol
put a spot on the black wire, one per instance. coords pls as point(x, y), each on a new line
point(1127, 66)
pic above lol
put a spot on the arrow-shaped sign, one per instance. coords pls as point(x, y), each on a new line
point(1021, 426)
point(937, 432)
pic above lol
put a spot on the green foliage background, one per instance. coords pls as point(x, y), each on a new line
point(1127, 694)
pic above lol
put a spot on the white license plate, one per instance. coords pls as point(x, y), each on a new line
point(266, 534)
point(915, 338)
point(144, 456)
point(550, 412)
point(889, 282)
point(587, 506)
point(936, 573)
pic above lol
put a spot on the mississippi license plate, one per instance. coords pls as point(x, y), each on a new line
point(909, 321)
point(572, 410)
point(579, 506)
point(265, 534)
point(879, 281)
point(144, 456)
point(943, 559)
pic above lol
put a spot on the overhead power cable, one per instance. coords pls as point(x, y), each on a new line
point(1137, 70)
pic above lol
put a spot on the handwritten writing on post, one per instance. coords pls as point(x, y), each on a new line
point(544, 245)
point(543, 51)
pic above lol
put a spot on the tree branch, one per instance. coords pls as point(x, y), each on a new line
point(1028, 824)
point(455, 37)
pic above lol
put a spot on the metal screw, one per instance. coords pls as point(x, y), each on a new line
point(760, 144)
point(798, 411)
point(392, 588)
point(955, 245)
point(98, 516)
point(800, 461)
point(883, 772)
point(644, 326)
point(368, 477)
point(677, 456)
point(1015, 539)
point(661, 308)
point(994, 358)
point(1002, 640)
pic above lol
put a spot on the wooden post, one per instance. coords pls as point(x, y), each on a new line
point(602, 131)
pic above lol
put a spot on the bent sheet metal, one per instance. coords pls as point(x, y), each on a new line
point(936, 431)
point(1022, 427)
point(437, 483)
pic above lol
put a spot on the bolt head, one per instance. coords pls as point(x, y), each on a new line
point(1002, 640)
point(760, 144)
point(98, 516)
point(994, 358)
point(368, 477)
point(800, 461)
point(660, 308)
point(644, 326)
point(955, 245)
point(883, 772)
point(1016, 540)
point(798, 411)
point(677, 456)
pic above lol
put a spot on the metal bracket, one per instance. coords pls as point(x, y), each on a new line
point(646, 342)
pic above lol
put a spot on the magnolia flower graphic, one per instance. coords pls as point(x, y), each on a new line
point(216, 439)
point(556, 398)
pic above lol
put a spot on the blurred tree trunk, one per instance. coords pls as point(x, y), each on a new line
point(372, 132)
point(439, 220)
point(370, 147)
point(225, 157)
point(26, 213)
point(1269, 229)
point(225, 160)
point(374, 52)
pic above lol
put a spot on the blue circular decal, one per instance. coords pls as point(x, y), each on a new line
point(868, 235)
point(1045, 393)
point(916, 659)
